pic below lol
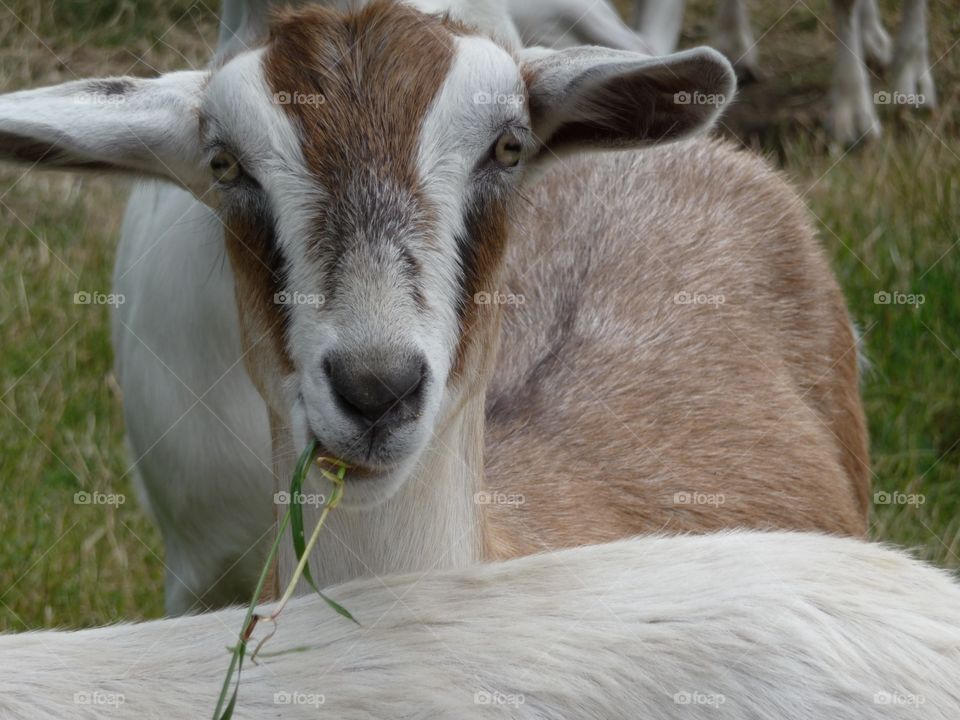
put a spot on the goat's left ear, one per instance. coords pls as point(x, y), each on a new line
point(136, 126)
point(593, 98)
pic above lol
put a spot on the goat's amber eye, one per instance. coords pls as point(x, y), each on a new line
point(225, 167)
point(508, 149)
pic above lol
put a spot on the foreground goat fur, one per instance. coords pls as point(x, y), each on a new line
point(738, 625)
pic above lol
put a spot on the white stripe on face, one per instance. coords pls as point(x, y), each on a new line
point(482, 94)
point(250, 118)
point(269, 212)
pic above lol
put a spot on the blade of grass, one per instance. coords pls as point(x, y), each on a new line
point(236, 661)
point(296, 509)
point(294, 518)
point(300, 548)
point(304, 556)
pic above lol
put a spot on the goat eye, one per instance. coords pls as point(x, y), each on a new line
point(225, 166)
point(507, 150)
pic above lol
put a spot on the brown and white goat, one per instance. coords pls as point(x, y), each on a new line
point(681, 360)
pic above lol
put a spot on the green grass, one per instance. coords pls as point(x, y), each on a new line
point(62, 563)
point(891, 219)
point(60, 419)
point(888, 214)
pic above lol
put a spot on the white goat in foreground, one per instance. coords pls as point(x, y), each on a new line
point(734, 626)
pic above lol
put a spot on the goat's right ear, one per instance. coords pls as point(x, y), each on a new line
point(590, 98)
point(145, 127)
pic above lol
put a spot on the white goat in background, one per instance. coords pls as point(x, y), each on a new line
point(861, 38)
point(732, 626)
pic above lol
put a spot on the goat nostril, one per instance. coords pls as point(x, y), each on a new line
point(384, 388)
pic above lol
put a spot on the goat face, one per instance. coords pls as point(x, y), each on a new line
point(364, 166)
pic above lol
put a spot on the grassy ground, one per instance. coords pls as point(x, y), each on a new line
point(63, 563)
point(888, 213)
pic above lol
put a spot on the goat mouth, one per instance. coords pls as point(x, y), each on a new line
point(358, 463)
point(361, 474)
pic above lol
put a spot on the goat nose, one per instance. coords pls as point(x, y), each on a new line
point(382, 388)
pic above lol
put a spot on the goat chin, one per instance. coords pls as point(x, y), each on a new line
point(736, 625)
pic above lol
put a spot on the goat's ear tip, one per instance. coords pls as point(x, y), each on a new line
point(717, 69)
point(709, 54)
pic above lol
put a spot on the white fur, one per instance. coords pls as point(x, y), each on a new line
point(860, 37)
point(565, 23)
point(733, 37)
point(482, 94)
point(196, 425)
point(723, 627)
point(853, 115)
point(877, 45)
point(911, 62)
point(144, 125)
point(659, 23)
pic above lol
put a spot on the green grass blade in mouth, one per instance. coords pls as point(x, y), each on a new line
point(294, 518)
point(296, 507)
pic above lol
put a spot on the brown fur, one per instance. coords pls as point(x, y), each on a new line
point(488, 241)
point(249, 242)
point(360, 138)
point(342, 57)
point(609, 397)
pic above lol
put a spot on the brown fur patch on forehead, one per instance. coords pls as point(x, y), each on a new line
point(366, 79)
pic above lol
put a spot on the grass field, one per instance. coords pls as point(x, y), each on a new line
point(889, 214)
